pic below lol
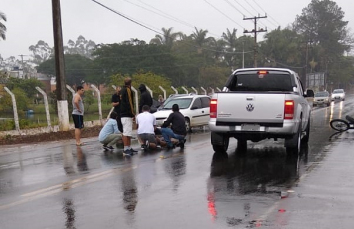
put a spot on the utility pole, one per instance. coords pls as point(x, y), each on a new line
point(62, 103)
point(22, 59)
point(243, 54)
point(255, 31)
point(22, 63)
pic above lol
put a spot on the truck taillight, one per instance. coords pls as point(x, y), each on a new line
point(213, 108)
point(289, 109)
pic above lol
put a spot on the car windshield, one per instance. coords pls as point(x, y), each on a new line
point(183, 103)
point(338, 91)
point(321, 94)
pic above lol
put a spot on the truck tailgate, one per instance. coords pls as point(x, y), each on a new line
point(250, 108)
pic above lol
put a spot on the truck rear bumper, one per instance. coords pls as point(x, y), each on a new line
point(288, 128)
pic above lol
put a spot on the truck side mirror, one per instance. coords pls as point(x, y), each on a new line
point(309, 93)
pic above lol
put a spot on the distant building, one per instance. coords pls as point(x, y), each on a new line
point(16, 72)
point(46, 80)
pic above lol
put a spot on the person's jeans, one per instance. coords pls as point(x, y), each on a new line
point(167, 134)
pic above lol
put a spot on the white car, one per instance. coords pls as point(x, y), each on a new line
point(321, 98)
point(195, 109)
point(338, 94)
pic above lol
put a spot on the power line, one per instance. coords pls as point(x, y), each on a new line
point(168, 15)
point(156, 54)
point(280, 63)
point(223, 13)
point(246, 10)
point(163, 14)
point(251, 6)
point(126, 17)
point(258, 13)
point(265, 12)
point(242, 7)
point(234, 7)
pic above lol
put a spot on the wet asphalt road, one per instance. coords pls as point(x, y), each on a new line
point(59, 185)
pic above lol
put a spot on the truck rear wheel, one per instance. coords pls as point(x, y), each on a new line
point(220, 142)
point(293, 144)
point(305, 139)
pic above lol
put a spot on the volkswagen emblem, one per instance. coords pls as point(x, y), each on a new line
point(250, 107)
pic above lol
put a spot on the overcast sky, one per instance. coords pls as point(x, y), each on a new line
point(29, 21)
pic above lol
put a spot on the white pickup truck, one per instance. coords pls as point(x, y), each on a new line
point(261, 103)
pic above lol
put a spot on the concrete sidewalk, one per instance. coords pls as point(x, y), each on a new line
point(323, 197)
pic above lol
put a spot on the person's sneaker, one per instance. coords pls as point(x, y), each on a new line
point(127, 152)
point(105, 147)
point(181, 143)
point(158, 146)
point(133, 150)
point(170, 146)
point(110, 147)
point(142, 146)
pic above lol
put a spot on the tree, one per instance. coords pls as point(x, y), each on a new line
point(88, 99)
point(282, 48)
point(82, 47)
point(167, 38)
point(341, 72)
point(2, 26)
point(150, 79)
point(41, 52)
point(78, 69)
point(212, 76)
point(22, 101)
point(200, 37)
point(230, 38)
point(322, 24)
point(130, 57)
point(219, 47)
point(28, 86)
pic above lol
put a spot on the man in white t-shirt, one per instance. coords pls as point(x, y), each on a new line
point(146, 124)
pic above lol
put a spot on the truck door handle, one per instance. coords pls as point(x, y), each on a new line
point(249, 98)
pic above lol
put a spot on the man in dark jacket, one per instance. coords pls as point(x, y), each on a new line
point(145, 97)
point(127, 115)
point(116, 105)
point(178, 129)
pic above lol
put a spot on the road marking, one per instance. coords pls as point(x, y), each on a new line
point(65, 186)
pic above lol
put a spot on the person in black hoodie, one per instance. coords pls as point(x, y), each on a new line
point(116, 105)
point(145, 97)
point(127, 115)
point(178, 129)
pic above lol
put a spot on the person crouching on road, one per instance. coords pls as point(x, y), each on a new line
point(146, 125)
point(109, 134)
point(178, 129)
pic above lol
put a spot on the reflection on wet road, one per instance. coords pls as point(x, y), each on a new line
point(59, 185)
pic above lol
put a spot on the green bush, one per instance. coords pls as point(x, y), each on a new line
point(7, 125)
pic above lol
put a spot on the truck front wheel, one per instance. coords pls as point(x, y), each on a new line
point(220, 142)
